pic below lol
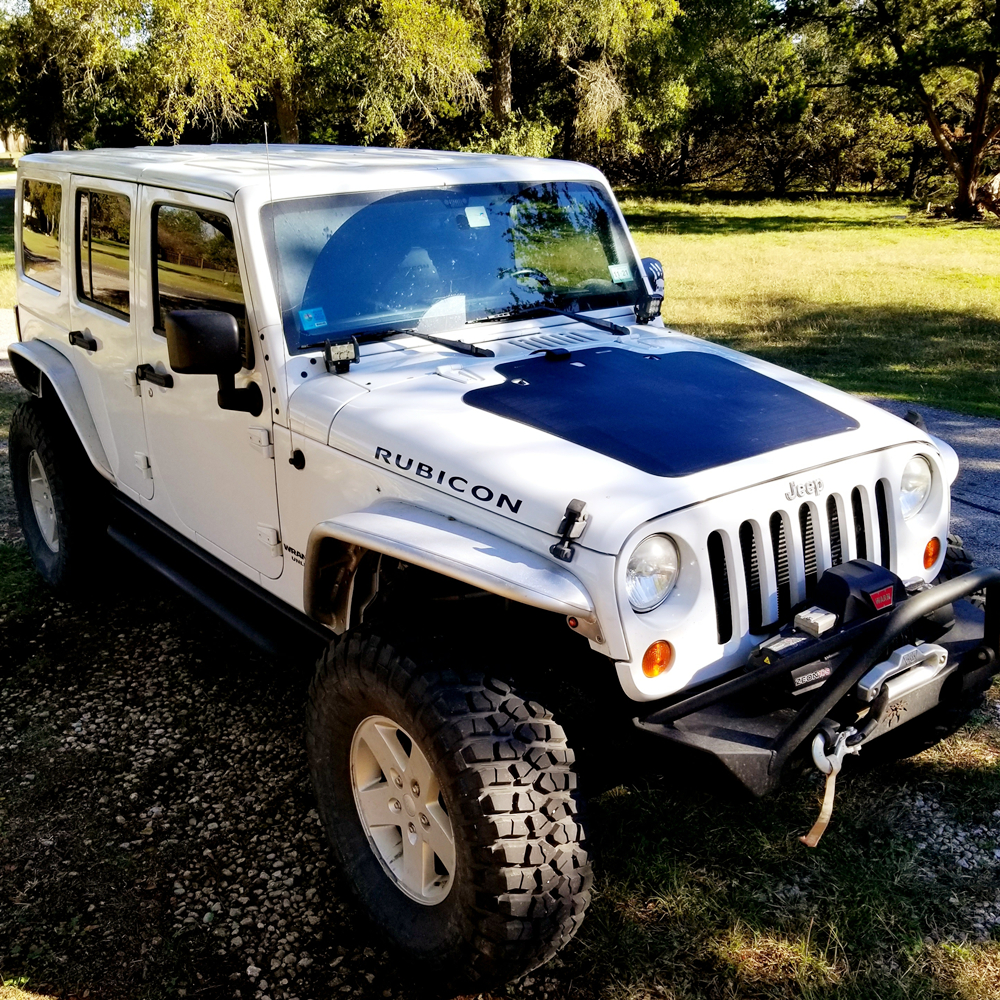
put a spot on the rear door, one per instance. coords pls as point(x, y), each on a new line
point(103, 345)
point(213, 468)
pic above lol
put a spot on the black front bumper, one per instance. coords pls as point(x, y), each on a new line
point(755, 734)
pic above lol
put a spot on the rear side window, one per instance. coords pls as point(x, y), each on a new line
point(196, 263)
point(104, 234)
point(41, 211)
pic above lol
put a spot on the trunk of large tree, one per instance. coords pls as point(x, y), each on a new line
point(287, 111)
point(501, 47)
point(964, 206)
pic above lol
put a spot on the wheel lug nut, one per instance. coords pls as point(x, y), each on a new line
point(415, 788)
point(394, 805)
point(424, 821)
point(396, 779)
point(413, 829)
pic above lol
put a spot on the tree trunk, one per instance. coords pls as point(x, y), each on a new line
point(287, 111)
point(964, 206)
point(501, 47)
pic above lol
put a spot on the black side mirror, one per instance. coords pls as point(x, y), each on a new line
point(207, 342)
point(647, 310)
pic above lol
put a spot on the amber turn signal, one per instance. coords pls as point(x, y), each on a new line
point(658, 659)
point(931, 552)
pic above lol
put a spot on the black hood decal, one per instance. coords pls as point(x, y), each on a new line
point(667, 414)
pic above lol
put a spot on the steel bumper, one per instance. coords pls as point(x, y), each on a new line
point(755, 735)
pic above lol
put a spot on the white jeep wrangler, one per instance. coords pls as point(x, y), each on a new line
point(418, 410)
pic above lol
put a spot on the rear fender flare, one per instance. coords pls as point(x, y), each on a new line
point(42, 370)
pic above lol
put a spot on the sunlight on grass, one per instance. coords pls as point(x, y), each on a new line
point(967, 972)
point(866, 296)
point(759, 958)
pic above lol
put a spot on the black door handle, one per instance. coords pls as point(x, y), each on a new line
point(147, 373)
point(80, 339)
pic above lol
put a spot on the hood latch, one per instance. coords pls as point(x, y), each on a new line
point(570, 528)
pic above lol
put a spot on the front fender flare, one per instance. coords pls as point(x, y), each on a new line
point(37, 365)
point(449, 547)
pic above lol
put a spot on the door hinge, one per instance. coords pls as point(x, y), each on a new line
point(142, 464)
point(132, 382)
point(268, 537)
point(260, 440)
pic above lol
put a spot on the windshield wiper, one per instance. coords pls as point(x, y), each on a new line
point(600, 324)
point(373, 336)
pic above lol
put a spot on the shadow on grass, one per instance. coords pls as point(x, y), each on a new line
point(937, 357)
point(6, 224)
point(686, 222)
point(701, 896)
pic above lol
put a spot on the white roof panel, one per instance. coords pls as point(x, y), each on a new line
point(289, 171)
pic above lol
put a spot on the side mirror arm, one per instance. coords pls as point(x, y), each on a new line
point(247, 400)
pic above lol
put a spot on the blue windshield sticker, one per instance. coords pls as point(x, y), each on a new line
point(477, 216)
point(312, 319)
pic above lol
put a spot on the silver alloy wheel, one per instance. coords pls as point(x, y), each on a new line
point(398, 801)
point(42, 503)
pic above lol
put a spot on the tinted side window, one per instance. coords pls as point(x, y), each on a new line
point(196, 263)
point(104, 222)
point(42, 203)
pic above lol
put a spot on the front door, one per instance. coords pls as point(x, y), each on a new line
point(213, 468)
point(103, 321)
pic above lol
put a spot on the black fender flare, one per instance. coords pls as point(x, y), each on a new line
point(42, 370)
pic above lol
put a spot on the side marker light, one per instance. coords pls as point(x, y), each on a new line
point(658, 659)
point(931, 552)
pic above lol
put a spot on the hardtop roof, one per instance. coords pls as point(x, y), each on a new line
point(223, 170)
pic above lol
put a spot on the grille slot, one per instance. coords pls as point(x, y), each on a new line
point(720, 585)
point(779, 543)
point(772, 534)
point(808, 548)
point(751, 571)
point(833, 518)
point(882, 507)
point(860, 538)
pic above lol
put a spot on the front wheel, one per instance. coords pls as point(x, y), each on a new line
point(452, 806)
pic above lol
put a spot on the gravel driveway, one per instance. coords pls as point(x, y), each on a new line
point(187, 846)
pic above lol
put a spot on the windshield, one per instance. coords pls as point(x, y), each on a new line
point(436, 260)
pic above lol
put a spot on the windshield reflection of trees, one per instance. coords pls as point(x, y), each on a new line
point(564, 234)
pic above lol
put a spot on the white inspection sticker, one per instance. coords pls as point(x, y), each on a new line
point(619, 272)
point(477, 216)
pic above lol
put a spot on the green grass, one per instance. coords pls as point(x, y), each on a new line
point(869, 297)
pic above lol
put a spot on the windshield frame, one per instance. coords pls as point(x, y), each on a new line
point(565, 196)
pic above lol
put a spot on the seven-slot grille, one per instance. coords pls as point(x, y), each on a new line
point(768, 549)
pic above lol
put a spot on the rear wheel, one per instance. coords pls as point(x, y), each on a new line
point(54, 487)
point(453, 808)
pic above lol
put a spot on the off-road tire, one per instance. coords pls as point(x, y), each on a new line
point(522, 876)
point(41, 428)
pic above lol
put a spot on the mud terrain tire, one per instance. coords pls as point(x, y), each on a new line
point(521, 876)
point(57, 499)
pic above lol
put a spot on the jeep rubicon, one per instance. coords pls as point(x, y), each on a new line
point(339, 394)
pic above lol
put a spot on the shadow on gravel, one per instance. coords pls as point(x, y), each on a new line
point(157, 839)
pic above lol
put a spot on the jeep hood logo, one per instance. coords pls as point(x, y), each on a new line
point(806, 488)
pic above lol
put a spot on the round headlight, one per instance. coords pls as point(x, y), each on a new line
point(652, 572)
point(915, 487)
